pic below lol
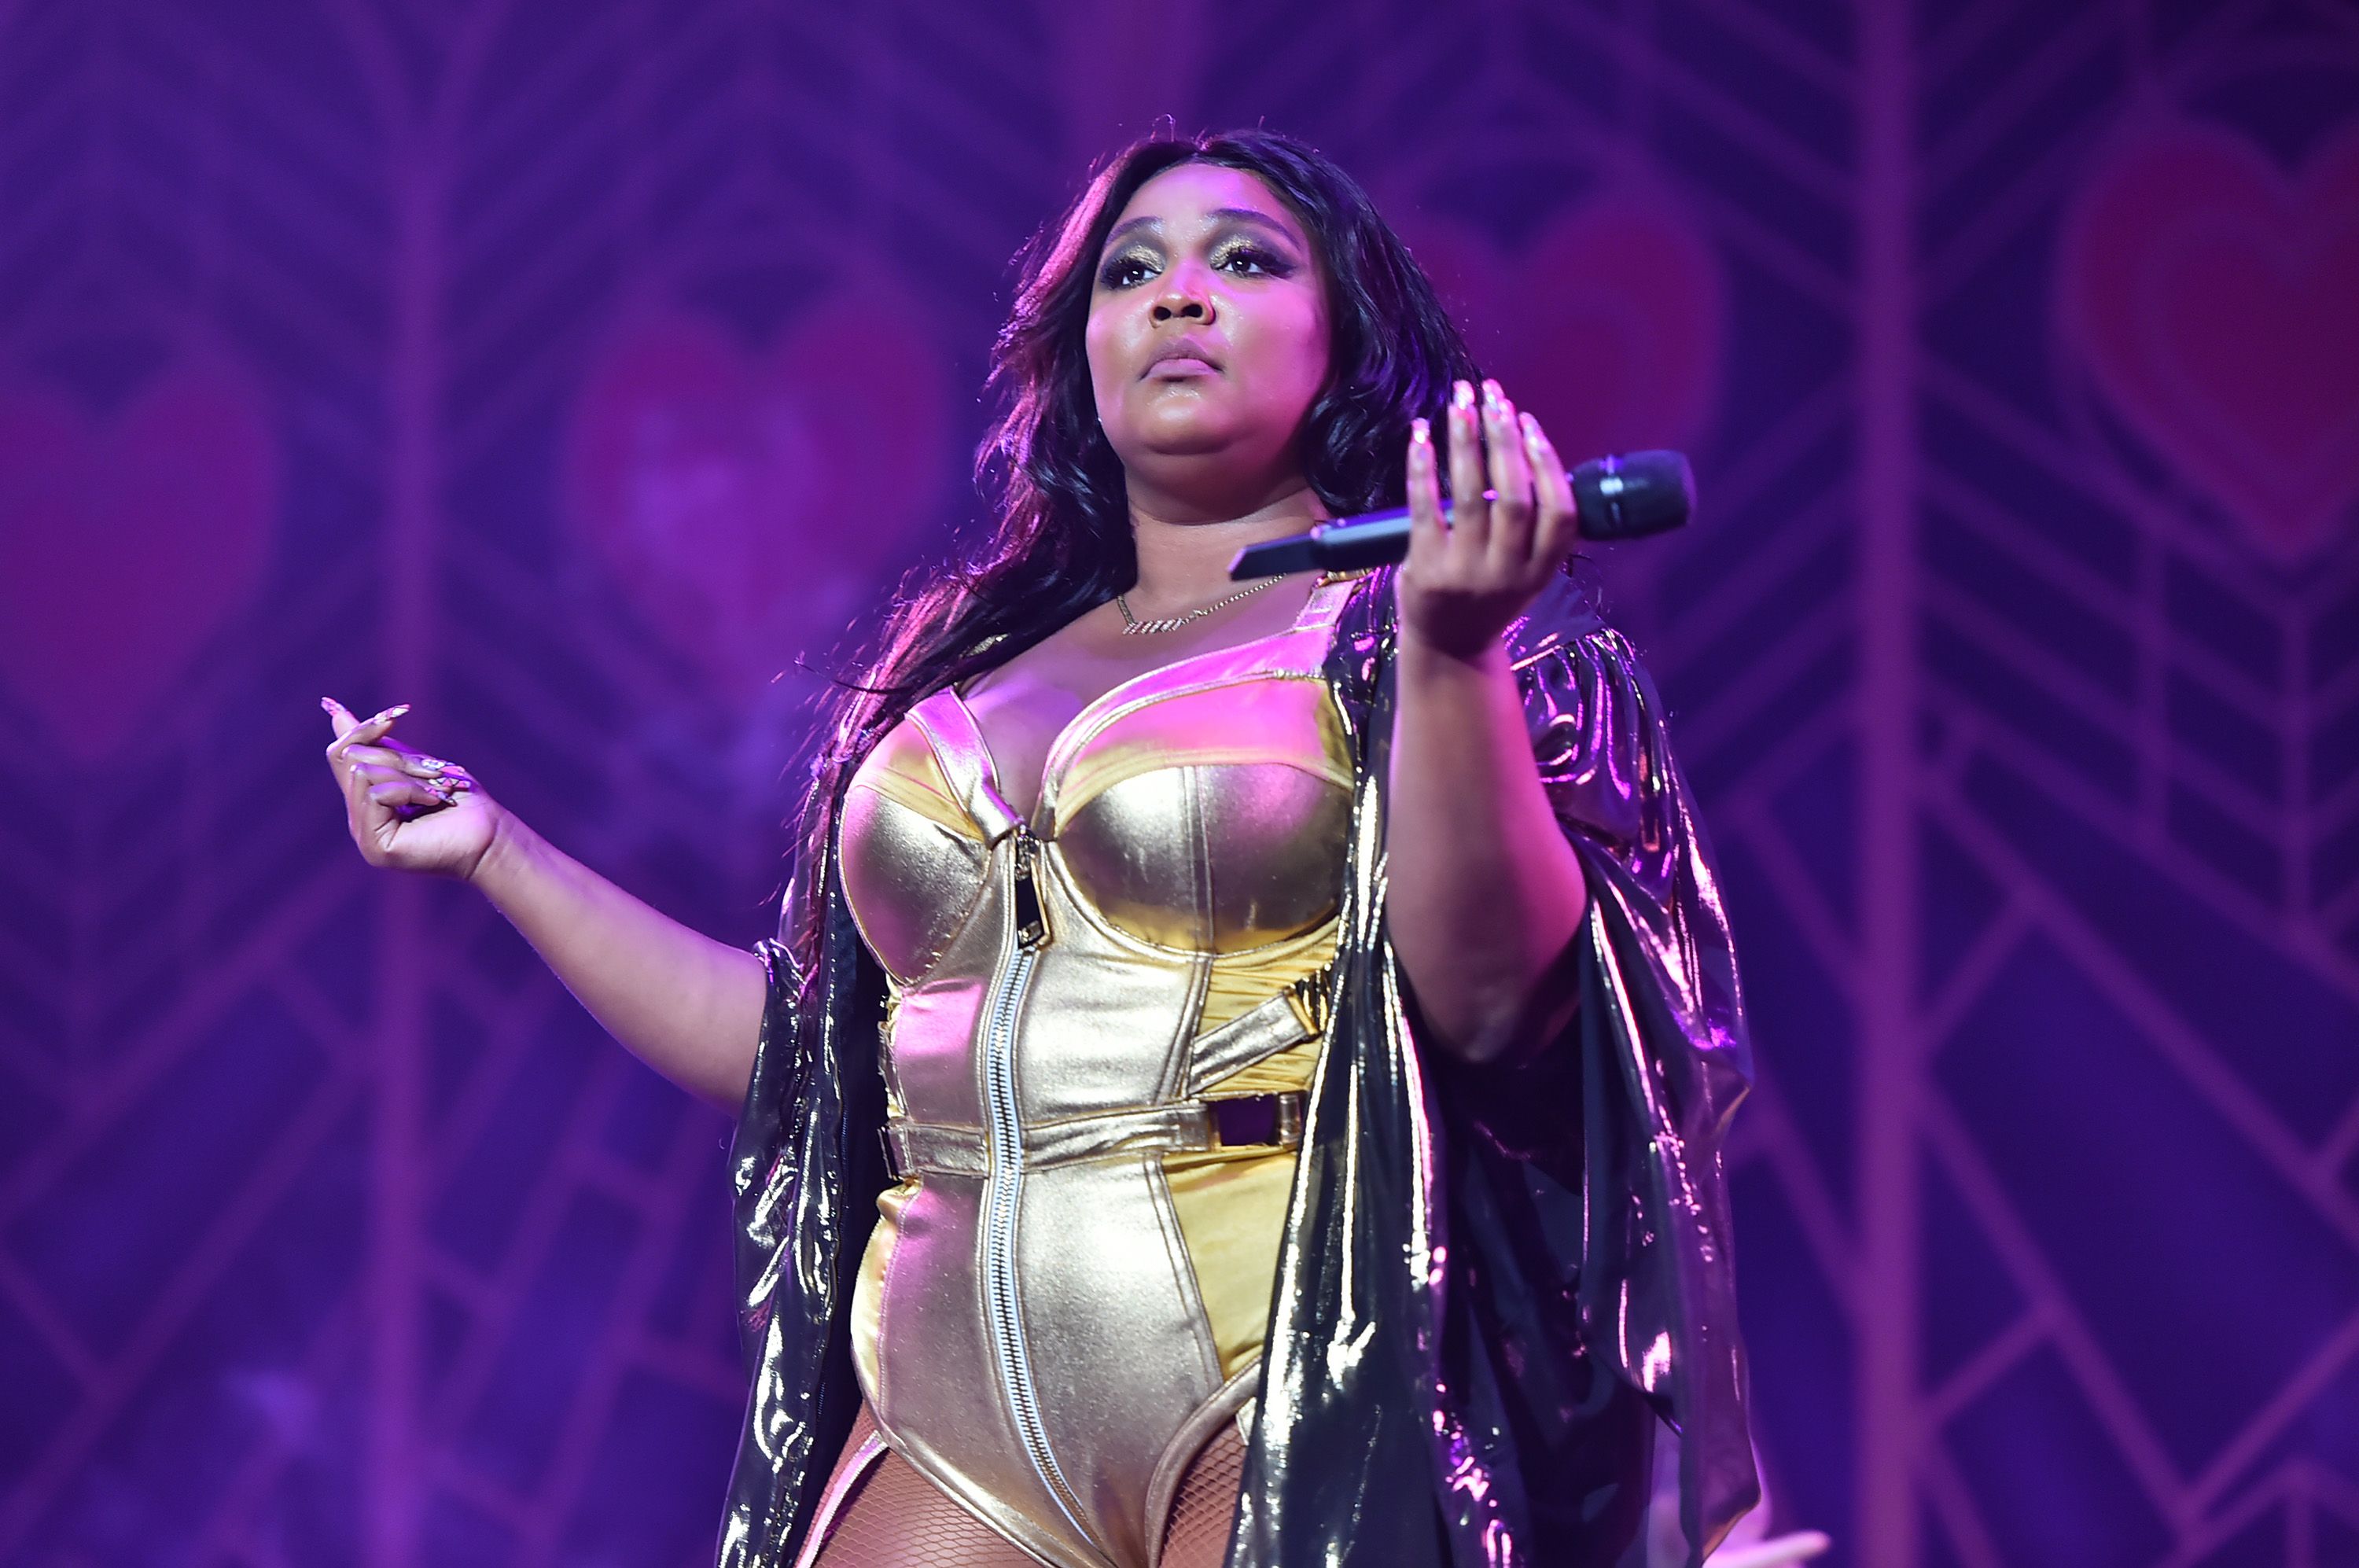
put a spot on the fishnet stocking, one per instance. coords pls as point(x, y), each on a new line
point(1196, 1532)
point(895, 1517)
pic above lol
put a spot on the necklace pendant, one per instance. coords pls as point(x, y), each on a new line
point(1133, 626)
point(1167, 624)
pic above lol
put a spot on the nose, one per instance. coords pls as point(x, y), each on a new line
point(1184, 294)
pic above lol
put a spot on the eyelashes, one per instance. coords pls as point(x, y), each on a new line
point(1123, 269)
point(1128, 269)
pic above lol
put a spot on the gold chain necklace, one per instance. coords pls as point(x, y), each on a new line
point(1133, 626)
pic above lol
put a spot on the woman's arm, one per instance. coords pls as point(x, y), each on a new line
point(686, 1006)
point(689, 1006)
point(1484, 895)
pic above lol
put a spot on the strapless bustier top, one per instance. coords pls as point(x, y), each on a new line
point(1099, 1026)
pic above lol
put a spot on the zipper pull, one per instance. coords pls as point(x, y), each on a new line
point(1031, 930)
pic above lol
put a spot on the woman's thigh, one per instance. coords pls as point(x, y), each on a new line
point(895, 1517)
point(892, 1517)
point(1196, 1532)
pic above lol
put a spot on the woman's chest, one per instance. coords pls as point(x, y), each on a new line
point(1026, 707)
point(1203, 806)
point(1020, 712)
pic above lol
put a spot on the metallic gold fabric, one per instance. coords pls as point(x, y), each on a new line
point(879, 1512)
point(1051, 1301)
point(920, 868)
point(1490, 1283)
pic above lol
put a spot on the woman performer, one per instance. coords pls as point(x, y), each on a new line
point(1309, 1022)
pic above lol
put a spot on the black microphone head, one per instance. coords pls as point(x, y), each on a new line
point(1630, 497)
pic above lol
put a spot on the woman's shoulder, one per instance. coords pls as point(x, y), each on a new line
point(1565, 619)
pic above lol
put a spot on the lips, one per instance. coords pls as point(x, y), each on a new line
point(1183, 356)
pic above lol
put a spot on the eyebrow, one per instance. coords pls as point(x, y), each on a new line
point(1231, 214)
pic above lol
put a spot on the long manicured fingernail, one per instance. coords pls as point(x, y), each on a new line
point(1531, 429)
point(1421, 434)
point(1492, 398)
point(390, 713)
point(328, 704)
point(430, 765)
point(1462, 396)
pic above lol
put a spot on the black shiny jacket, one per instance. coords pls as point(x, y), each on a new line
point(1492, 1279)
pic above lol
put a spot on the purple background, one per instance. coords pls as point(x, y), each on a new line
point(565, 369)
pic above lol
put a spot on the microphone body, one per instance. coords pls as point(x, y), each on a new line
point(1614, 498)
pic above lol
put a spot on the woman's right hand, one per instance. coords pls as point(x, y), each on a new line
point(405, 809)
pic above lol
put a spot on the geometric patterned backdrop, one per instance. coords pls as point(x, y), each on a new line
point(580, 370)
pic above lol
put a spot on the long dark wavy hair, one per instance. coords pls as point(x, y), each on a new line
point(1061, 541)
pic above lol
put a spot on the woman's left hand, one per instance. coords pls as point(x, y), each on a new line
point(1466, 580)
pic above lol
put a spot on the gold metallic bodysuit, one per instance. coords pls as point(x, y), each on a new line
point(1098, 1028)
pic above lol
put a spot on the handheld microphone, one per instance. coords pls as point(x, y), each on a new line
point(1614, 498)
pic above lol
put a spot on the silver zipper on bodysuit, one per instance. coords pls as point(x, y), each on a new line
point(1006, 1181)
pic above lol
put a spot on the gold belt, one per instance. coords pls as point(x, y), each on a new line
point(1242, 1121)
